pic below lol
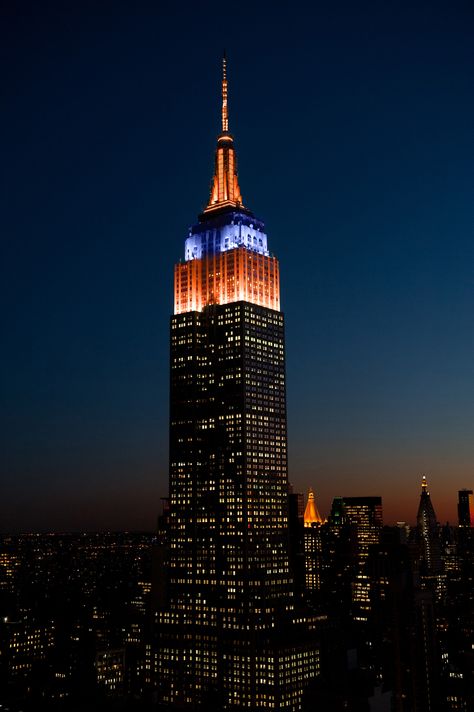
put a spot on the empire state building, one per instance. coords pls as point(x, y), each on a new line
point(230, 634)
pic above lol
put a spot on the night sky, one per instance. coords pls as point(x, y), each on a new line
point(354, 131)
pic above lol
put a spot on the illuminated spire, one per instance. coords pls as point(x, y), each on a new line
point(225, 190)
point(225, 116)
point(424, 485)
point(311, 514)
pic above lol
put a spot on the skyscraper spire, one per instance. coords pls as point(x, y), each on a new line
point(225, 189)
point(225, 115)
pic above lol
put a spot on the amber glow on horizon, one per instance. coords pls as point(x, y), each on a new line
point(225, 277)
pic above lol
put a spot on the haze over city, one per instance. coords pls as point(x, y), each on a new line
point(353, 128)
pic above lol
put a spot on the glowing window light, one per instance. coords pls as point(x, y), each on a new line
point(211, 280)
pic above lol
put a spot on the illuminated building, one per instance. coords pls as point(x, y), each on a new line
point(230, 634)
point(312, 544)
point(9, 564)
point(23, 647)
point(110, 668)
point(365, 516)
point(465, 508)
point(65, 599)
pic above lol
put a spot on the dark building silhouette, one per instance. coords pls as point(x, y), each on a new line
point(230, 634)
point(296, 538)
point(428, 534)
point(429, 590)
point(427, 668)
point(392, 617)
point(465, 508)
point(73, 613)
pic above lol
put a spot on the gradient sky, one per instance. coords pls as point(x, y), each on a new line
point(354, 131)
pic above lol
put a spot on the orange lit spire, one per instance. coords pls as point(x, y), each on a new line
point(225, 190)
point(311, 514)
point(424, 484)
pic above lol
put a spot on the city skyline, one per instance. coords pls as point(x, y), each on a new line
point(380, 389)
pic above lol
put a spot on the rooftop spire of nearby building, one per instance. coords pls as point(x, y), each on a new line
point(225, 190)
point(424, 484)
point(311, 514)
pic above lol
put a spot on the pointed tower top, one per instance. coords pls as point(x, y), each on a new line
point(311, 514)
point(225, 189)
point(424, 485)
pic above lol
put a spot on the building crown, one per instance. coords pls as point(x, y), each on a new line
point(226, 252)
point(311, 514)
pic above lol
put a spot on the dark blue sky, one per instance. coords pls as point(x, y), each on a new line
point(354, 130)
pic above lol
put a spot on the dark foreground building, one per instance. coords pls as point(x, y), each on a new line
point(466, 508)
point(230, 635)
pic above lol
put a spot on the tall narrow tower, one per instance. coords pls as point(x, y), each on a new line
point(427, 529)
point(466, 508)
point(312, 544)
point(230, 589)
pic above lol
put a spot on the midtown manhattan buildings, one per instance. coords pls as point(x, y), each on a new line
point(230, 634)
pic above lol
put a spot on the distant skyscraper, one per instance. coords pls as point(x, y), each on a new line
point(428, 536)
point(465, 508)
point(312, 544)
point(230, 636)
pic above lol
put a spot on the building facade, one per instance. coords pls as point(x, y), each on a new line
point(364, 514)
point(428, 534)
point(312, 544)
point(465, 508)
point(230, 635)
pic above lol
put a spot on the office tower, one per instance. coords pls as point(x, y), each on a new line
point(110, 671)
point(338, 543)
point(428, 536)
point(230, 636)
point(465, 508)
point(312, 544)
point(365, 516)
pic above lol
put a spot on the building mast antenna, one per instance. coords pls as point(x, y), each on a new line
point(225, 116)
